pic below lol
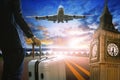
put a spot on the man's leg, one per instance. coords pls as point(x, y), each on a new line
point(13, 63)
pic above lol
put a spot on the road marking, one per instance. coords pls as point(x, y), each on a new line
point(77, 75)
point(80, 68)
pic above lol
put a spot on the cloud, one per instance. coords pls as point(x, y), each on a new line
point(46, 41)
point(44, 30)
point(33, 27)
point(43, 41)
point(46, 33)
point(41, 28)
point(93, 26)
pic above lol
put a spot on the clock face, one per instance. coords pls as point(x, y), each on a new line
point(94, 50)
point(112, 49)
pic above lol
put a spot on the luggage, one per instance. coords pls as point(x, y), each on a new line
point(47, 69)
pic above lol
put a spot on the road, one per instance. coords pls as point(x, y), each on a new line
point(77, 68)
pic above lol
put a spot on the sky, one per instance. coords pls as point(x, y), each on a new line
point(76, 34)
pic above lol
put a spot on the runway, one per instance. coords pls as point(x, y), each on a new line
point(77, 68)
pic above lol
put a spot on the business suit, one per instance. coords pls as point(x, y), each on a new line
point(10, 44)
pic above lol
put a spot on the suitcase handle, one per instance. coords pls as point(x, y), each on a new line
point(33, 50)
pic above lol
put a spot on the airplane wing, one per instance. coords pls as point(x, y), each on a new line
point(37, 17)
point(49, 18)
point(78, 17)
point(52, 18)
point(71, 17)
point(68, 17)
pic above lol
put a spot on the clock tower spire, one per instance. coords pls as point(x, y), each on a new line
point(106, 19)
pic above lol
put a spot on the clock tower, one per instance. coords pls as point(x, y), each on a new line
point(105, 50)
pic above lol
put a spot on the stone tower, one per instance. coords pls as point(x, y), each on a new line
point(105, 50)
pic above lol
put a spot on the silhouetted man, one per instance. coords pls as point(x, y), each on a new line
point(10, 44)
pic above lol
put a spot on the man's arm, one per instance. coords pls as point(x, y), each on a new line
point(19, 19)
point(21, 22)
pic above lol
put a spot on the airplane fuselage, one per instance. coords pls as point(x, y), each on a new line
point(60, 15)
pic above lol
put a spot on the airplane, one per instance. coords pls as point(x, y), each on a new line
point(60, 17)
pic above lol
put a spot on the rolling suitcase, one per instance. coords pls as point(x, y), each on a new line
point(47, 69)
